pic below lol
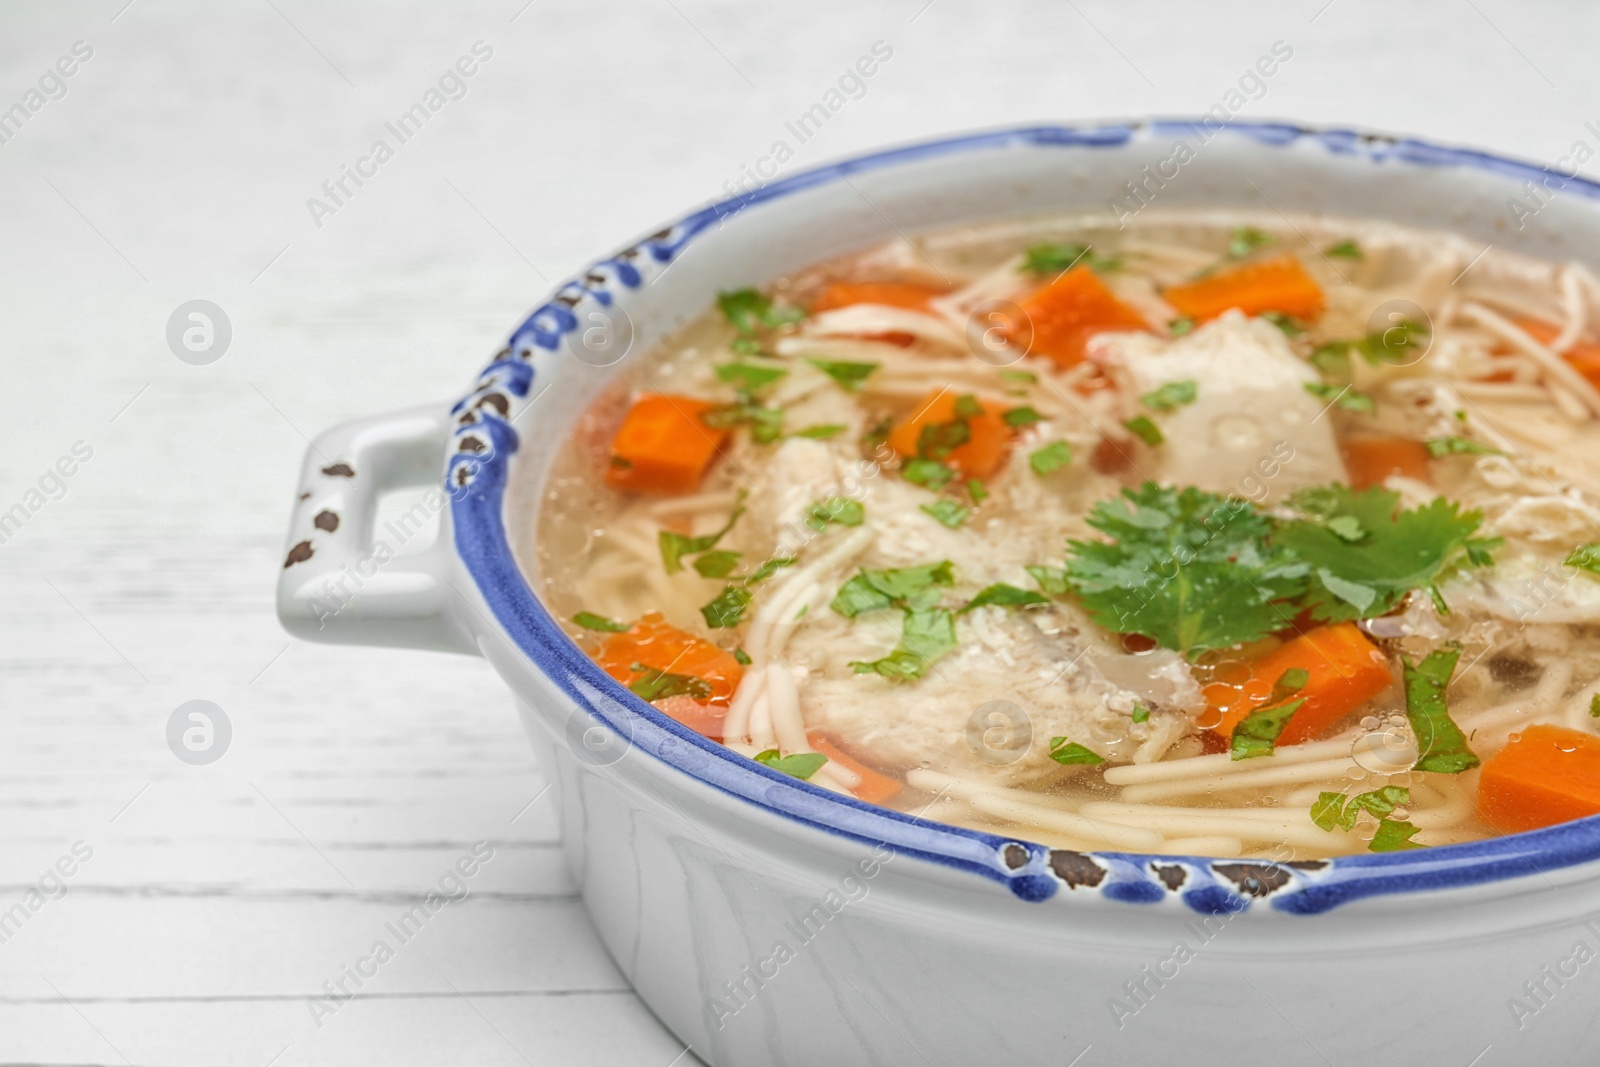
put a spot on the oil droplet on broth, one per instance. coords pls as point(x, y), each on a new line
point(1237, 430)
point(1232, 672)
point(1208, 719)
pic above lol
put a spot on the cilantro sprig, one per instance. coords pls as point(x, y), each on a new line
point(1441, 746)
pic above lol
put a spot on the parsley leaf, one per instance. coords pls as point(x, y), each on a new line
point(976, 490)
point(1023, 416)
point(928, 473)
point(748, 309)
point(717, 564)
point(750, 376)
point(1053, 580)
point(1344, 396)
point(1145, 430)
point(1366, 554)
point(1069, 753)
point(1258, 733)
point(946, 512)
point(1458, 446)
point(835, 509)
point(742, 657)
point(766, 424)
point(848, 375)
point(590, 621)
point(653, 684)
point(1005, 596)
point(1050, 458)
point(1336, 810)
point(1192, 570)
point(1441, 745)
point(926, 636)
point(1346, 249)
point(675, 546)
point(1170, 396)
point(1026, 377)
point(1247, 239)
point(822, 432)
point(1393, 835)
point(1179, 327)
point(903, 587)
point(1140, 713)
point(727, 609)
point(1393, 345)
point(1056, 258)
point(1586, 557)
point(800, 765)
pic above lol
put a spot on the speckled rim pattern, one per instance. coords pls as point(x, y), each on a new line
point(477, 470)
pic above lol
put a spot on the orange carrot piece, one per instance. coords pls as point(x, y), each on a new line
point(912, 295)
point(1277, 284)
point(1583, 355)
point(663, 446)
point(1546, 775)
point(1369, 459)
point(985, 447)
point(1345, 671)
point(657, 644)
point(1059, 318)
point(875, 788)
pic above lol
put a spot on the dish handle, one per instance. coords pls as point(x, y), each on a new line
point(344, 582)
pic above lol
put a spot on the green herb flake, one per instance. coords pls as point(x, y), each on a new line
point(1145, 430)
point(590, 621)
point(1069, 753)
point(1053, 580)
point(717, 564)
point(1258, 733)
point(1005, 596)
point(1180, 327)
point(652, 684)
point(937, 440)
point(751, 376)
point(976, 491)
point(928, 473)
point(967, 406)
point(1023, 416)
point(1393, 835)
point(1336, 811)
point(822, 432)
point(800, 765)
point(1458, 446)
point(749, 309)
point(1171, 396)
point(1025, 377)
point(848, 375)
point(946, 512)
point(1342, 396)
point(1586, 557)
point(766, 424)
point(675, 546)
point(727, 609)
point(1058, 258)
point(768, 568)
point(1441, 745)
point(1293, 680)
point(926, 635)
point(836, 510)
point(741, 657)
point(903, 587)
point(1050, 458)
point(1290, 326)
point(1140, 713)
point(1247, 239)
point(1346, 249)
point(1228, 589)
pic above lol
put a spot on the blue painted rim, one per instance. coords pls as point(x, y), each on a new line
point(476, 477)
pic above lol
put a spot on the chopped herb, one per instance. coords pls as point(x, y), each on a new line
point(1182, 326)
point(848, 375)
point(1594, 706)
point(1291, 327)
point(1458, 446)
point(1346, 249)
point(1005, 596)
point(1052, 580)
point(653, 684)
point(1023, 416)
point(1027, 377)
point(967, 406)
point(1056, 258)
point(1586, 557)
point(1336, 810)
point(947, 512)
point(1393, 835)
point(766, 424)
point(976, 491)
point(878, 435)
point(938, 439)
point(768, 568)
point(728, 608)
point(927, 634)
point(751, 376)
point(1171, 396)
point(1070, 752)
point(1392, 551)
point(904, 587)
point(1393, 345)
point(1344, 396)
point(590, 621)
point(1247, 239)
point(1293, 680)
point(1441, 745)
point(741, 657)
point(717, 564)
point(837, 510)
point(800, 765)
point(745, 346)
point(1227, 589)
point(675, 546)
point(748, 309)
point(826, 430)
point(1258, 733)
point(1145, 430)
point(927, 473)
point(1050, 458)
point(1140, 713)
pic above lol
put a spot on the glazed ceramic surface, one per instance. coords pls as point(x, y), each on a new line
point(769, 921)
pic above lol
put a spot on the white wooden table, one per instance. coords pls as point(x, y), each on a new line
point(217, 900)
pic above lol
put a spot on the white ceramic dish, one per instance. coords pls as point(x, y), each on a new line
point(767, 921)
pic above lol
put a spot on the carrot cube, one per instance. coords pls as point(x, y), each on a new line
point(1059, 318)
point(988, 435)
point(1547, 775)
point(1278, 284)
point(1344, 669)
point(663, 446)
point(912, 295)
point(1370, 459)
